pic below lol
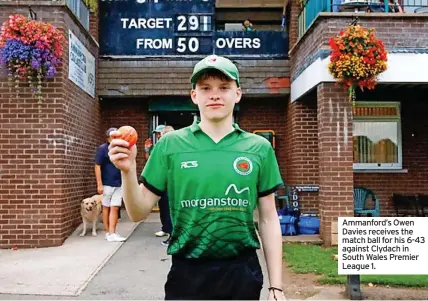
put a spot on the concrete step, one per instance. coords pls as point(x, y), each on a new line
point(303, 239)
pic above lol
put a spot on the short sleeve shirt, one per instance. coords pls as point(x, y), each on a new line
point(213, 189)
point(110, 175)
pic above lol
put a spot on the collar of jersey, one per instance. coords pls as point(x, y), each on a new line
point(195, 127)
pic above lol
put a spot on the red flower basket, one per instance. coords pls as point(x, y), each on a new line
point(357, 58)
point(30, 50)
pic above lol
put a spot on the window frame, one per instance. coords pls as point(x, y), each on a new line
point(397, 120)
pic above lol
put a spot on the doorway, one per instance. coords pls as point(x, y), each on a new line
point(176, 119)
point(178, 112)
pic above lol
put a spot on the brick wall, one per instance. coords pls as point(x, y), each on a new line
point(134, 112)
point(335, 157)
point(336, 181)
point(266, 114)
point(151, 78)
point(415, 147)
point(254, 114)
point(81, 121)
point(93, 24)
point(302, 159)
point(47, 149)
point(395, 30)
point(293, 31)
point(302, 148)
point(334, 197)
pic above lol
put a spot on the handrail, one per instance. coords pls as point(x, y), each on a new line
point(311, 8)
point(310, 11)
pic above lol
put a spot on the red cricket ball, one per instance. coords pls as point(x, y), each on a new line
point(128, 133)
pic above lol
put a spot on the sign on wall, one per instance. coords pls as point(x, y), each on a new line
point(307, 188)
point(177, 27)
point(81, 65)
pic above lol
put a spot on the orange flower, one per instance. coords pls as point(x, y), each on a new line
point(357, 58)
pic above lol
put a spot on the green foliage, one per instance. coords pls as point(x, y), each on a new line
point(304, 259)
point(92, 4)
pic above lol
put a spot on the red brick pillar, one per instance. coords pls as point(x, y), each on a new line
point(93, 24)
point(302, 148)
point(293, 31)
point(335, 157)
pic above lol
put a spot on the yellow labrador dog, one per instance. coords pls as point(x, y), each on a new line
point(90, 210)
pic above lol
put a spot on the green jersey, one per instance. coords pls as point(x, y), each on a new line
point(213, 189)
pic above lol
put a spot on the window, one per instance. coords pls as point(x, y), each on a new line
point(377, 135)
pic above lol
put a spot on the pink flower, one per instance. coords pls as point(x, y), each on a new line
point(31, 32)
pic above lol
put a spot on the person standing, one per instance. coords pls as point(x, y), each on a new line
point(215, 174)
point(148, 147)
point(148, 144)
point(247, 26)
point(109, 184)
point(163, 203)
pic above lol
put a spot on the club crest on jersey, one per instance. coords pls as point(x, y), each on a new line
point(243, 166)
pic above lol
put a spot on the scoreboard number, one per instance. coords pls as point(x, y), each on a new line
point(185, 43)
point(193, 23)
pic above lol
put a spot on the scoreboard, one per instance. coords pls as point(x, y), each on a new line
point(174, 28)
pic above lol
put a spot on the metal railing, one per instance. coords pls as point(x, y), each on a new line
point(249, 3)
point(310, 11)
point(312, 8)
point(80, 10)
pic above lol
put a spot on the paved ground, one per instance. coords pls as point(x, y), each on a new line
point(137, 270)
point(90, 268)
point(63, 270)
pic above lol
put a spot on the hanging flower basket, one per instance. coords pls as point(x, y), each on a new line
point(30, 50)
point(357, 58)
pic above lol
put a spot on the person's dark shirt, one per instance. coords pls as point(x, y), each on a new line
point(110, 175)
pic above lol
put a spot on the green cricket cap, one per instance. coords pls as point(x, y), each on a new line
point(215, 62)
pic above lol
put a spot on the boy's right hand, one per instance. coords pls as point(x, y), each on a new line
point(120, 155)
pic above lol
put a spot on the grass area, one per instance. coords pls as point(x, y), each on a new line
point(304, 259)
